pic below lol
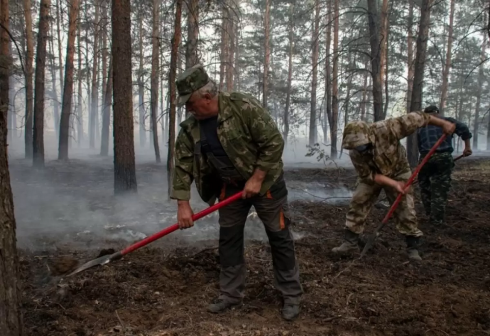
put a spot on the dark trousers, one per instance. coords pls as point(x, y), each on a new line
point(435, 183)
point(272, 210)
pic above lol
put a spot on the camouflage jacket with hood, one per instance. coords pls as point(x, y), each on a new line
point(387, 155)
point(249, 137)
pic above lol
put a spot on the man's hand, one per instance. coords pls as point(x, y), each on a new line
point(253, 185)
point(467, 152)
point(386, 181)
point(399, 186)
point(184, 215)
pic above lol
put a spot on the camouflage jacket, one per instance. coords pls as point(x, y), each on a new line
point(388, 156)
point(249, 137)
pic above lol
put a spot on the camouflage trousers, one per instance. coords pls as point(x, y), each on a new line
point(435, 183)
point(365, 196)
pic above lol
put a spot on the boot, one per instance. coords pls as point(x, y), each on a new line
point(290, 312)
point(221, 305)
point(412, 245)
point(351, 242)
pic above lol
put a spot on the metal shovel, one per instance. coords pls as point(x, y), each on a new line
point(118, 255)
point(370, 241)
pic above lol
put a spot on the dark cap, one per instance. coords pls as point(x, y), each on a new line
point(189, 81)
point(431, 109)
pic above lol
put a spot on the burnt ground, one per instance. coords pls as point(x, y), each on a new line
point(164, 289)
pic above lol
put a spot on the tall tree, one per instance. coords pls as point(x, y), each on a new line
point(94, 109)
point(314, 78)
point(328, 72)
point(418, 79)
point(384, 31)
point(29, 80)
point(223, 46)
point(481, 78)
point(447, 65)
point(335, 84)
point(10, 314)
point(55, 99)
point(173, 93)
point(155, 56)
point(141, 81)
point(267, 53)
point(124, 160)
point(68, 87)
point(410, 55)
point(106, 116)
point(79, 91)
point(373, 14)
point(191, 56)
point(290, 70)
point(42, 36)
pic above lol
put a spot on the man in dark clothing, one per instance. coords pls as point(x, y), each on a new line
point(435, 176)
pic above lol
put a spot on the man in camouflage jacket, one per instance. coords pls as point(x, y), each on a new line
point(381, 163)
point(231, 144)
point(435, 176)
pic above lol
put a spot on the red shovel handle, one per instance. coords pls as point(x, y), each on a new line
point(412, 177)
point(174, 227)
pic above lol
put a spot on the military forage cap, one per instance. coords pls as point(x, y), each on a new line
point(190, 80)
point(356, 134)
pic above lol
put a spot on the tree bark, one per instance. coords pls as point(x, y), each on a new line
point(79, 91)
point(94, 110)
point(124, 160)
point(416, 103)
point(10, 300)
point(230, 52)
point(447, 66)
point(42, 36)
point(154, 78)
point(60, 55)
point(29, 80)
point(290, 71)
point(173, 93)
point(265, 80)
point(54, 92)
point(335, 86)
point(410, 55)
point(328, 73)
point(106, 118)
point(375, 59)
point(191, 57)
point(68, 88)
point(141, 83)
point(364, 94)
point(481, 78)
point(384, 33)
point(223, 47)
point(314, 77)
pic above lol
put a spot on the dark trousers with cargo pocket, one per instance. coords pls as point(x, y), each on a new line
point(272, 210)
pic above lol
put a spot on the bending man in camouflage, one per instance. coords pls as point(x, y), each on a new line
point(435, 176)
point(381, 163)
point(229, 144)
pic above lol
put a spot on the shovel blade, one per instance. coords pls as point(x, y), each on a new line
point(368, 246)
point(96, 262)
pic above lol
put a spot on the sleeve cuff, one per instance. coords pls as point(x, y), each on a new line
point(181, 195)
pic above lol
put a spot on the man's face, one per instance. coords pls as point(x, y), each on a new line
point(200, 107)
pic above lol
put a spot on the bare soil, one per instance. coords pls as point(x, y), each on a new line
point(164, 289)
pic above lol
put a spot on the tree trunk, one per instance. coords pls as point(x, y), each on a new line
point(410, 55)
point(141, 83)
point(364, 94)
point(154, 78)
point(94, 110)
point(54, 93)
point(106, 118)
point(375, 59)
point(481, 78)
point(384, 33)
point(29, 78)
point(191, 57)
point(335, 85)
point(124, 161)
point(173, 93)
point(60, 55)
point(290, 71)
point(266, 53)
point(445, 74)
point(68, 89)
point(42, 36)
point(87, 71)
point(80, 92)
point(10, 300)
point(230, 52)
point(105, 74)
point(314, 78)
point(418, 80)
point(236, 74)
point(223, 46)
point(328, 73)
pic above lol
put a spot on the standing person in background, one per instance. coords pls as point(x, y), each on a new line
point(230, 144)
point(435, 176)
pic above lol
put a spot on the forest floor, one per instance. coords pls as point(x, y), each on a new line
point(164, 289)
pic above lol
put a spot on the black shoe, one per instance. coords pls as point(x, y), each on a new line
point(351, 243)
point(290, 312)
point(221, 305)
point(412, 248)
